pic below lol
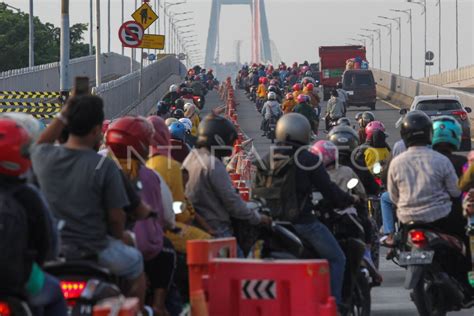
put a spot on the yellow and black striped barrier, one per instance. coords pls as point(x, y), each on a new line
point(28, 94)
point(30, 110)
point(30, 104)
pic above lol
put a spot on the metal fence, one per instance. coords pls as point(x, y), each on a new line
point(123, 95)
point(46, 77)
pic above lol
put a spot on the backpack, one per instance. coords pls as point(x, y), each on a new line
point(275, 181)
point(15, 261)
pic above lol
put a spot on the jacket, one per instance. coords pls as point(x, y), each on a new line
point(288, 106)
point(271, 109)
point(262, 91)
point(307, 111)
point(335, 108)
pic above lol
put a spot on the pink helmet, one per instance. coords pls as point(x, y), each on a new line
point(302, 98)
point(372, 127)
point(325, 150)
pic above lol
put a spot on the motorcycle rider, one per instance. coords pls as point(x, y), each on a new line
point(334, 109)
point(288, 104)
point(297, 90)
point(179, 148)
point(172, 95)
point(421, 181)
point(365, 118)
point(86, 190)
point(343, 95)
point(303, 107)
point(163, 110)
point(293, 132)
point(210, 188)
point(271, 110)
point(190, 112)
point(42, 290)
point(377, 150)
point(190, 139)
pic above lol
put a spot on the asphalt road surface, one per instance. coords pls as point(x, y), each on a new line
point(391, 298)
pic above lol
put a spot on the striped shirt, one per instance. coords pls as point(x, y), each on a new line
point(421, 183)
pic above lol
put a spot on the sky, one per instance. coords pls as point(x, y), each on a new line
point(299, 27)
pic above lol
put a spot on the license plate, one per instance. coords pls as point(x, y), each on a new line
point(416, 257)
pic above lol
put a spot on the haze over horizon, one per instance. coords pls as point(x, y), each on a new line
point(299, 27)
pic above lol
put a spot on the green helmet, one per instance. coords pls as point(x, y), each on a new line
point(447, 129)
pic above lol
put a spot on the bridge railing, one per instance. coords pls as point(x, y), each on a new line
point(123, 95)
point(46, 77)
point(452, 77)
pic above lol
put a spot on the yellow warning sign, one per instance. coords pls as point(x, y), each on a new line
point(145, 16)
point(151, 41)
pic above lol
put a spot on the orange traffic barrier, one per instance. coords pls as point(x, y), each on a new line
point(200, 253)
point(276, 288)
point(122, 306)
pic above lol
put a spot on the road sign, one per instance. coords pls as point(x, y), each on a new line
point(429, 55)
point(258, 289)
point(429, 63)
point(152, 41)
point(151, 57)
point(144, 55)
point(131, 34)
point(145, 16)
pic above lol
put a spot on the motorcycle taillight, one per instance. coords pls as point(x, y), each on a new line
point(418, 237)
point(72, 289)
point(5, 309)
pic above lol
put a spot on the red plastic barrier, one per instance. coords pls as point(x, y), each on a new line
point(277, 288)
point(200, 253)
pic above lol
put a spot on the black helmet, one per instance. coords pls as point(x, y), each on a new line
point(216, 131)
point(272, 89)
point(416, 129)
point(178, 114)
point(366, 118)
point(179, 103)
point(345, 138)
point(343, 121)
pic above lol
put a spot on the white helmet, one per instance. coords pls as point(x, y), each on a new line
point(271, 96)
point(170, 121)
point(173, 88)
point(187, 123)
point(189, 106)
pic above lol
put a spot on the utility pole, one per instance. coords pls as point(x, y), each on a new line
point(398, 20)
point(32, 36)
point(98, 73)
point(64, 49)
point(422, 3)
point(91, 23)
point(457, 35)
point(389, 28)
point(439, 30)
point(371, 37)
point(123, 49)
point(108, 26)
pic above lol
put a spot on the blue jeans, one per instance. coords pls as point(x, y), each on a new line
point(323, 241)
point(50, 300)
point(122, 260)
point(387, 214)
point(226, 233)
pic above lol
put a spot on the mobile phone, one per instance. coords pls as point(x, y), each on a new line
point(81, 86)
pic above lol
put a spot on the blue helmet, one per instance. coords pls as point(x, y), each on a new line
point(162, 107)
point(177, 131)
point(447, 129)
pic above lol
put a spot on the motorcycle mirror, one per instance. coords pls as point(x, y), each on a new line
point(377, 168)
point(352, 183)
point(178, 207)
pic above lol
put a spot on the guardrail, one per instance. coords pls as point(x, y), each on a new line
point(46, 77)
point(452, 77)
point(123, 95)
point(402, 90)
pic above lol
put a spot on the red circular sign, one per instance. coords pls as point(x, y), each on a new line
point(131, 34)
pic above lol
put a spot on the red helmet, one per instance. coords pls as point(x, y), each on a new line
point(310, 87)
point(289, 96)
point(302, 98)
point(130, 131)
point(260, 80)
point(372, 127)
point(105, 126)
point(264, 80)
point(326, 151)
point(14, 144)
point(296, 87)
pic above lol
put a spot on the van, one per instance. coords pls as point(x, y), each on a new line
point(360, 87)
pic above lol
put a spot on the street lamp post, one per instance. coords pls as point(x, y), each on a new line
point(98, 77)
point(371, 37)
point(439, 36)
point(389, 28)
point(362, 41)
point(398, 20)
point(64, 49)
point(166, 6)
point(378, 31)
point(32, 36)
point(423, 5)
point(457, 35)
point(408, 13)
point(123, 7)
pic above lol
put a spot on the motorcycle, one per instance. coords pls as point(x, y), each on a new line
point(432, 259)
point(271, 127)
point(281, 241)
point(12, 305)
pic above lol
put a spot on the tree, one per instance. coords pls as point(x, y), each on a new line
point(14, 40)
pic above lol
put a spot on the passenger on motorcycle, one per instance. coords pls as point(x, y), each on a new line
point(172, 95)
point(86, 190)
point(304, 108)
point(377, 150)
point(365, 118)
point(421, 181)
point(22, 276)
point(271, 110)
point(288, 104)
point(163, 110)
point(159, 256)
point(210, 188)
point(334, 110)
point(293, 132)
point(190, 139)
point(190, 112)
point(297, 90)
point(179, 149)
